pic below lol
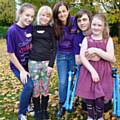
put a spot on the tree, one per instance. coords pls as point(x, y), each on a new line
point(51, 3)
point(7, 12)
point(112, 9)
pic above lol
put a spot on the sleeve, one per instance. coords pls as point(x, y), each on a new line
point(10, 41)
point(53, 49)
point(73, 24)
point(76, 45)
point(77, 41)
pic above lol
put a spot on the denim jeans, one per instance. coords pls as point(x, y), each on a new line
point(65, 63)
point(25, 94)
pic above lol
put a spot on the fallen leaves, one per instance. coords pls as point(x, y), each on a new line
point(10, 89)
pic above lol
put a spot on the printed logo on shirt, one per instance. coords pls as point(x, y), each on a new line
point(28, 35)
point(80, 44)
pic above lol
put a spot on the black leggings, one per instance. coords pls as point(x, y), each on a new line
point(95, 107)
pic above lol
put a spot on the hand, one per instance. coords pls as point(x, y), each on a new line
point(49, 71)
point(95, 76)
point(91, 56)
point(92, 50)
point(23, 76)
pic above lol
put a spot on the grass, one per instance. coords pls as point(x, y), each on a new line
point(10, 89)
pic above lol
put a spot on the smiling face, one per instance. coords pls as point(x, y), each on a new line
point(44, 18)
point(26, 17)
point(44, 15)
point(97, 26)
point(83, 22)
point(63, 14)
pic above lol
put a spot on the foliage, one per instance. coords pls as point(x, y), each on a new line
point(75, 7)
point(7, 12)
point(40, 3)
point(110, 7)
point(3, 30)
point(45, 2)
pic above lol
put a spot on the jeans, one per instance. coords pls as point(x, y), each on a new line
point(25, 94)
point(65, 63)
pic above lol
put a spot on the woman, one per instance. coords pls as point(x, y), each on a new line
point(65, 28)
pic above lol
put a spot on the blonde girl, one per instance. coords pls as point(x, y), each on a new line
point(95, 82)
point(41, 61)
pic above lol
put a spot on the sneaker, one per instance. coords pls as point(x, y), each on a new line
point(89, 118)
point(22, 117)
point(31, 110)
point(101, 118)
point(107, 105)
point(60, 112)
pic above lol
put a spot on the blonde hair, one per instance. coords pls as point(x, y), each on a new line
point(102, 17)
point(45, 9)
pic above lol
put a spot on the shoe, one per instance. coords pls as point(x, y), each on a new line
point(22, 117)
point(107, 105)
point(84, 106)
point(60, 112)
point(101, 118)
point(31, 110)
point(89, 118)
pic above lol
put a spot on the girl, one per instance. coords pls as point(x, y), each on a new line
point(18, 40)
point(41, 60)
point(64, 26)
point(96, 72)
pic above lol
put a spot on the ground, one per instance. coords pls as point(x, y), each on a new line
point(10, 88)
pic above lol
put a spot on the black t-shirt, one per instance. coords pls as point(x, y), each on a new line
point(43, 44)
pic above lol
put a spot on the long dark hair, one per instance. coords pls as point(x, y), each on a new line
point(58, 26)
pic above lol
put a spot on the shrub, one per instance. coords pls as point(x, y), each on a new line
point(3, 30)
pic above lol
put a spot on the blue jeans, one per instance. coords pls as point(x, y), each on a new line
point(25, 94)
point(65, 63)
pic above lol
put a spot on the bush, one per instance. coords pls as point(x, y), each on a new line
point(3, 30)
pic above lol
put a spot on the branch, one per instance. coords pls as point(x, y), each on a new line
point(105, 7)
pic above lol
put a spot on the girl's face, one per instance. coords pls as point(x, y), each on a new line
point(97, 26)
point(63, 14)
point(83, 22)
point(26, 17)
point(44, 18)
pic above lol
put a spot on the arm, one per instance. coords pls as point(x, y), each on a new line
point(106, 55)
point(23, 72)
point(77, 60)
point(86, 63)
point(53, 53)
point(77, 41)
point(92, 56)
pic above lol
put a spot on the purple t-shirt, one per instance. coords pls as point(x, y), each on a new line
point(66, 43)
point(78, 38)
point(18, 41)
